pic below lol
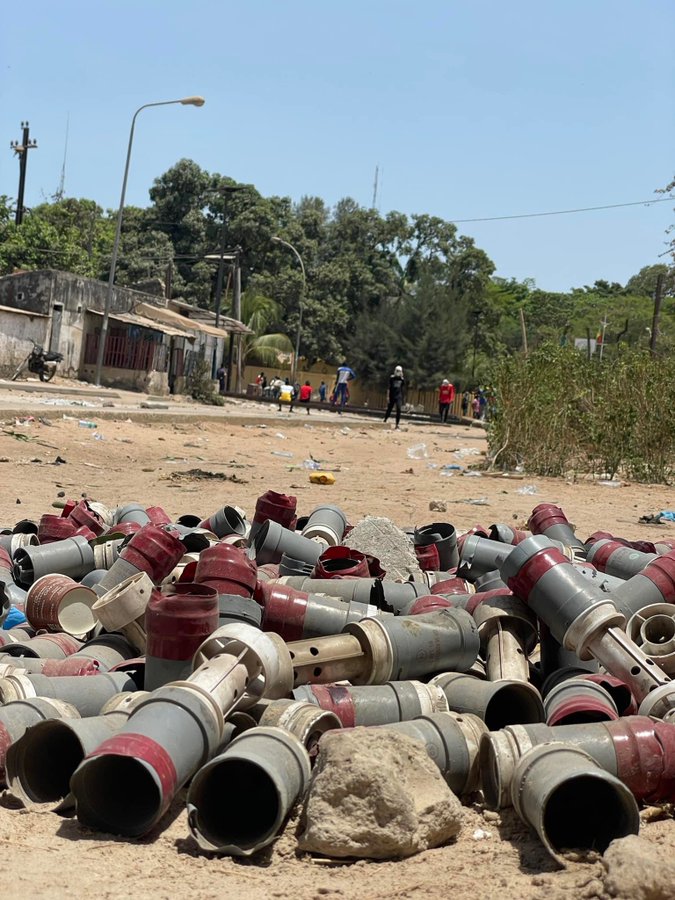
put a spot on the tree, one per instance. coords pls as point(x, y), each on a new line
point(259, 313)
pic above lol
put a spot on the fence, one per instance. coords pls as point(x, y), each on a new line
point(123, 353)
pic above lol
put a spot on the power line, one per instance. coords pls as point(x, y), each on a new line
point(564, 212)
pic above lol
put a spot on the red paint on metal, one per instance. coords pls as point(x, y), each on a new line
point(531, 571)
point(337, 699)
point(178, 620)
point(140, 747)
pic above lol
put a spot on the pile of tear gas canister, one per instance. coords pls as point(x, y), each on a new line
point(152, 658)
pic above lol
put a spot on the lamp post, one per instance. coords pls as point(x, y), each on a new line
point(278, 240)
point(186, 101)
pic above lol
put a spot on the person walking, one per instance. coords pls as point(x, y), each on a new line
point(342, 378)
point(466, 400)
point(306, 394)
point(396, 395)
point(220, 375)
point(322, 392)
point(446, 394)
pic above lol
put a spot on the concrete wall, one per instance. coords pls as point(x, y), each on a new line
point(16, 332)
point(39, 290)
point(130, 379)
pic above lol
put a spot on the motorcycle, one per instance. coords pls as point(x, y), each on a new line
point(40, 361)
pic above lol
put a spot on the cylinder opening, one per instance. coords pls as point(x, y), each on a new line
point(490, 774)
point(237, 804)
point(338, 565)
point(513, 704)
point(48, 761)
point(584, 716)
point(234, 520)
point(587, 812)
point(117, 794)
point(658, 629)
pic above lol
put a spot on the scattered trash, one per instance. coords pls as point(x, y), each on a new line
point(85, 423)
point(419, 451)
point(447, 473)
point(660, 518)
point(287, 454)
point(611, 483)
point(280, 435)
point(98, 436)
point(472, 473)
point(480, 834)
point(528, 489)
point(463, 452)
point(438, 506)
point(59, 461)
point(322, 478)
point(453, 467)
point(432, 465)
point(345, 430)
point(311, 464)
point(62, 401)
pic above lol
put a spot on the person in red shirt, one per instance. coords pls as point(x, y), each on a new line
point(306, 394)
point(446, 394)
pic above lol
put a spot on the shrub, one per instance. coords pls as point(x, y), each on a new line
point(558, 412)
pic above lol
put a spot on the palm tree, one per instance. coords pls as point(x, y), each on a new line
point(259, 312)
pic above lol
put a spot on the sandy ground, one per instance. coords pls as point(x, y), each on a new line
point(46, 856)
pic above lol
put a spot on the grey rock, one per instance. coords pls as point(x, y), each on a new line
point(379, 537)
point(376, 794)
point(638, 870)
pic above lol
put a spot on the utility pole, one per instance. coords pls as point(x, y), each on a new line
point(21, 150)
point(236, 309)
point(377, 172)
point(236, 314)
point(658, 296)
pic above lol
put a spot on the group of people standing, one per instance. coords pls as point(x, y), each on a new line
point(473, 403)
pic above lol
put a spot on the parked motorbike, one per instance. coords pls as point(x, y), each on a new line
point(40, 361)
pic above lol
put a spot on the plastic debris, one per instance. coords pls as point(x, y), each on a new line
point(418, 451)
point(322, 478)
point(527, 489)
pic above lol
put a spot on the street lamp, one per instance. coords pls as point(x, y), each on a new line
point(278, 240)
point(186, 101)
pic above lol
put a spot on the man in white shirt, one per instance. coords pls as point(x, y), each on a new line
point(343, 377)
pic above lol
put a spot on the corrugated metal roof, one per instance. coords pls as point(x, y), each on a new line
point(143, 322)
point(161, 314)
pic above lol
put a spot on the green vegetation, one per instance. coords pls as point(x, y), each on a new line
point(381, 289)
point(559, 413)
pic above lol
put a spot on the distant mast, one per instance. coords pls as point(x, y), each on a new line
point(377, 173)
point(62, 183)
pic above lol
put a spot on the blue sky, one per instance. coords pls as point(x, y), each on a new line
point(471, 109)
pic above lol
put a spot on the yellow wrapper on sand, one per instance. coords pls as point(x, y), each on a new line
point(322, 478)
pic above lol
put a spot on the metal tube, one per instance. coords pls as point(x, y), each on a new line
point(570, 801)
point(238, 802)
point(396, 701)
point(41, 763)
point(497, 703)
